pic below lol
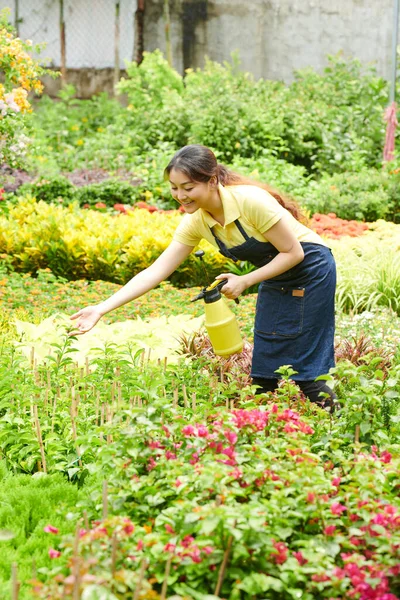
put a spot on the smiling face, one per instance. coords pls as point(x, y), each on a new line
point(190, 194)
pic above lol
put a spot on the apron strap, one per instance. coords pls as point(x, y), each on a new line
point(222, 247)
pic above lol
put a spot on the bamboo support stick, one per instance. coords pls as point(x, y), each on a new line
point(15, 584)
point(194, 401)
point(39, 437)
point(86, 520)
point(185, 398)
point(105, 499)
point(176, 398)
point(223, 566)
point(165, 581)
point(96, 413)
point(53, 416)
point(357, 434)
point(32, 357)
point(143, 567)
point(76, 565)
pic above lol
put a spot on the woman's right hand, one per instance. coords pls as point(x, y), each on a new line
point(86, 319)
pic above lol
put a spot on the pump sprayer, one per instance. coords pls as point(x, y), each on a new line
point(220, 321)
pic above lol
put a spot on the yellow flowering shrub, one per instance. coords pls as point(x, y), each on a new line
point(76, 243)
point(21, 75)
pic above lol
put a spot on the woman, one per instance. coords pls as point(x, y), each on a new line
point(294, 322)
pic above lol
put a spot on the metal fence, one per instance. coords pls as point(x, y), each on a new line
point(91, 29)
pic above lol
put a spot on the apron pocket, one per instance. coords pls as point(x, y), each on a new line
point(280, 310)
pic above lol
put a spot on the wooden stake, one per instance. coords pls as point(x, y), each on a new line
point(143, 567)
point(53, 416)
point(105, 499)
point(97, 408)
point(357, 435)
point(76, 565)
point(39, 437)
point(32, 357)
point(223, 566)
point(15, 584)
point(185, 399)
point(194, 401)
point(176, 398)
point(165, 581)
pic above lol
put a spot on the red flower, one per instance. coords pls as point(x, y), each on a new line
point(330, 529)
point(281, 553)
point(300, 558)
point(100, 205)
point(54, 553)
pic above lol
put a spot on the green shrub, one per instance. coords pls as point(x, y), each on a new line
point(368, 195)
point(49, 189)
point(110, 192)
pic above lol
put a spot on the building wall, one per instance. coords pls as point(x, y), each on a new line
point(272, 37)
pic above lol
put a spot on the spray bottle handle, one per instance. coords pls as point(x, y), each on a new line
point(219, 283)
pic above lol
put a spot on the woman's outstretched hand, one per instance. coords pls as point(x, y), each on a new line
point(86, 319)
point(235, 285)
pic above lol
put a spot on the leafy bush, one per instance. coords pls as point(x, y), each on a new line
point(50, 189)
point(329, 122)
point(109, 192)
point(367, 195)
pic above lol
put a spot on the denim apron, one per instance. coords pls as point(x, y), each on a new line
point(295, 312)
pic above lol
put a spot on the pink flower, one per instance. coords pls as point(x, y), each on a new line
point(169, 529)
point(207, 549)
point(178, 482)
point(187, 541)
point(188, 430)
point(337, 508)
point(300, 558)
point(385, 456)
point(336, 481)
point(139, 545)
point(310, 497)
point(54, 553)
point(231, 436)
point(170, 455)
point(169, 547)
point(100, 205)
point(202, 431)
point(50, 529)
point(330, 529)
point(194, 459)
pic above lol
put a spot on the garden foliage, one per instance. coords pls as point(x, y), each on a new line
point(319, 138)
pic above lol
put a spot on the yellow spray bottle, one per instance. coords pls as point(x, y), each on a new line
point(220, 321)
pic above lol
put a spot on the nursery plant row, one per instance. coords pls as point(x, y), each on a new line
point(174, 478)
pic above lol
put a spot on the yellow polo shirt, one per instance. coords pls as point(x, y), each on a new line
point(257, 211)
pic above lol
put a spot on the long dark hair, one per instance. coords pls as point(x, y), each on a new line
point(200, 164)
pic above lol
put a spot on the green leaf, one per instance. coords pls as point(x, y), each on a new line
point(97, 592)
point(258, 582)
